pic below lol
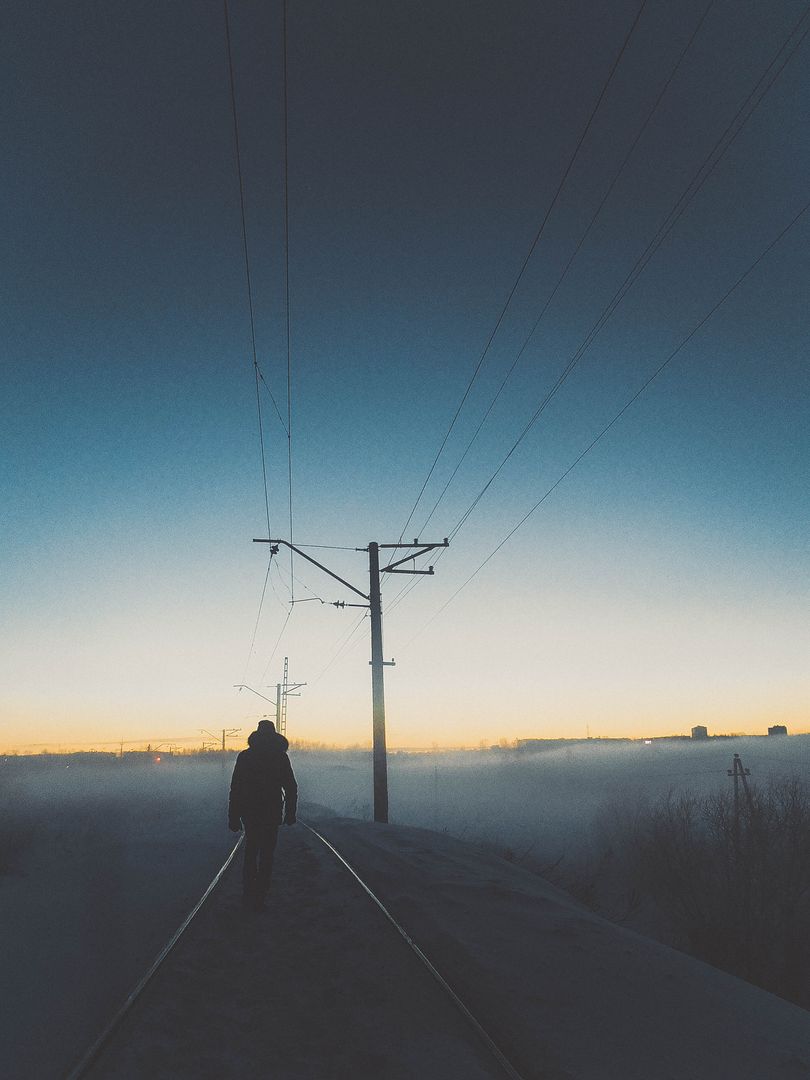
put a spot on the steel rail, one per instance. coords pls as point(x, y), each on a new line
point(90, 1057)
point(92, 1054)
point(480, 1031)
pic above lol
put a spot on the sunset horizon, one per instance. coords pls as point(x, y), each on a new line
point(535, 285)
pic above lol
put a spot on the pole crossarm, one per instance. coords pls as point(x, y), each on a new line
point(244, 686)
point(423, 550)
point(415, 543)
point(315, 562)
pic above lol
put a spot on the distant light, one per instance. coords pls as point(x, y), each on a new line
point(157, 760)
point(648, 742)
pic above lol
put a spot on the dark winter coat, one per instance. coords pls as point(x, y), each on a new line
point(263, 782)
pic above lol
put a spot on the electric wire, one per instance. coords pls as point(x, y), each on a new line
point(705, 170)
point(330, 547)
point(527, 259)
point(572, 257)
point(266, 386)
point(410, 586)
point(258, 616)
point(258, 374)
point(341, 647)
point(287, 293)
point(246, 253)
point(275, 647)
point(313, 595)
point(273, 587)
point(669, 222)
point(628, 404)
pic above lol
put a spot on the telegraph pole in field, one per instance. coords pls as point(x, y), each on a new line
point(374, 604)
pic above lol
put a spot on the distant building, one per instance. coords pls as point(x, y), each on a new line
point(777, 729)
point(700, 732)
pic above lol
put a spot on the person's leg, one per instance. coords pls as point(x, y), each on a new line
point(267, 847)
point(249, 866)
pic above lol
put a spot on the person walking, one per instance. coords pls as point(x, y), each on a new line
point(263, 793)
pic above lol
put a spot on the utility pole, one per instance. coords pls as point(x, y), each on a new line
point(283, 691)
point(227, 733)
point(739, 773)
point(380, 754)
point(374, 604)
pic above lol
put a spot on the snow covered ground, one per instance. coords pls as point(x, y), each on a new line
point(321, 988)
point(111, 859)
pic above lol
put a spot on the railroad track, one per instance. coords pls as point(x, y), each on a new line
point(89, 1059)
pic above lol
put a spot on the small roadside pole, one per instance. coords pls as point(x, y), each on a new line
point(374, 604)
point(740, 774)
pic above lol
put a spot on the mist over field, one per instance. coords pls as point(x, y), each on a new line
point(99, 863)
point(552, 800)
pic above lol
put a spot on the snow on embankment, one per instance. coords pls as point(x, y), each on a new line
point(320, 986)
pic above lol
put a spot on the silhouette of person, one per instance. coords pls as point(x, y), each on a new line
point(262, 783)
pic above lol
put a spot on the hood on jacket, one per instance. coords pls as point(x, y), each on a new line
point(266, 741)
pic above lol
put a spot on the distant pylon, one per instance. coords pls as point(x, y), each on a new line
point(283, 691)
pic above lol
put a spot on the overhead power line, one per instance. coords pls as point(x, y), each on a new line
point(628, 404)
point(245, 249)
point(410, 586)
point(707, 167)
point(328, 547)
point(275, 647)
point(781, 58)
point(342, 645)
point(287, 294)
point(266, 385)
point(571, 258)
point(258, 617)
point(526, 260)
point(258, 374)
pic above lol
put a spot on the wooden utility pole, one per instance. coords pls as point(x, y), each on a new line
point(374, 604)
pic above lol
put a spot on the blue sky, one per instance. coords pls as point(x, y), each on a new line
point(663, 583)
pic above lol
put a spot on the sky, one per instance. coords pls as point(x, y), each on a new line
point(662, 583)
